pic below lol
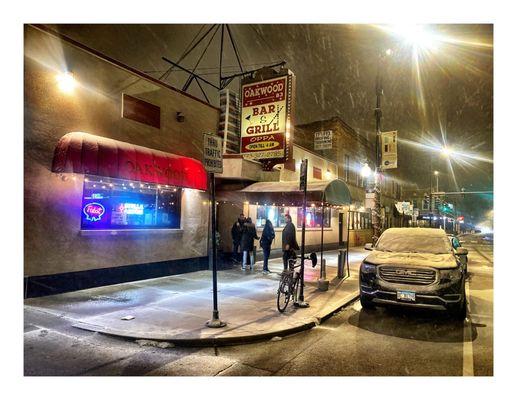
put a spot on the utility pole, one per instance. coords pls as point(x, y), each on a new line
point(300, 301)
point(376, 214)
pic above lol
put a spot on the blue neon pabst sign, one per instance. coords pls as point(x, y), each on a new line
point(93, 211)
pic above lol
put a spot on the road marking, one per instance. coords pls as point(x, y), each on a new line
point(468, 351)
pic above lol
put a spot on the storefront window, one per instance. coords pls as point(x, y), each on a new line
point(121, 204)
point(313, 217)
point(274, 213)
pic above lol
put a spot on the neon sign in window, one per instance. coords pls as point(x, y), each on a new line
point(121, 204)
point(313, 217)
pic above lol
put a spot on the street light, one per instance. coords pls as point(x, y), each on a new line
point(366, 171)
point(66, 82)
point(445, 151)
point(417, 36)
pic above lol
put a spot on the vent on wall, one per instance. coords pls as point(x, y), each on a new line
point(140, 111)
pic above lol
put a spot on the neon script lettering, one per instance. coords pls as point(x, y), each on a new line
point(93, 211)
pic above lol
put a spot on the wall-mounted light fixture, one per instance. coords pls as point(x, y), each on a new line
point(180, 117)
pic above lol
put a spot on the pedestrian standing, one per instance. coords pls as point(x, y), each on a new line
point(237, 228)
point(249, 235)
point(289, 243)
point(268, 235)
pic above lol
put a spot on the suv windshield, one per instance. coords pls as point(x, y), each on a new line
point(405, 242)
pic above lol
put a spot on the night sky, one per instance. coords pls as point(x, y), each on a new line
point(444, 95)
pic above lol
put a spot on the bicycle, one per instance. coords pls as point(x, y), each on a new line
point(290, 282)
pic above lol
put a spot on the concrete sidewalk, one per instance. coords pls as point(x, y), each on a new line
point(175, 308)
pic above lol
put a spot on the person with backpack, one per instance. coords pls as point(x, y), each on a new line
point(289, 243)
point(268, 235)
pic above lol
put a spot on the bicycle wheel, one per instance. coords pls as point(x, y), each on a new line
point(284, 292)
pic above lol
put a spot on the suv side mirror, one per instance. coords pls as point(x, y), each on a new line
point(368, 246)
point(462, 251)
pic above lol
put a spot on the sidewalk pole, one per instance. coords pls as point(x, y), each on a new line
point(303, 183)
point(215, 322)
point(323, 283)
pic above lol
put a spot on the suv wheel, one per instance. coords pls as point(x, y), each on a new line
point(366, 304)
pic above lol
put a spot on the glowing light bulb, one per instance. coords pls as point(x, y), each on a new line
point(66, 82)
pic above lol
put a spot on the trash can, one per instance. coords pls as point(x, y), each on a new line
point(341, 261)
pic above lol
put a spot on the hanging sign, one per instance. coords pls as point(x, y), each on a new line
point(303, 174)
point(404, 207)
point(322, 140)
point(389, 150)
point(213, 153)
point(264, 117)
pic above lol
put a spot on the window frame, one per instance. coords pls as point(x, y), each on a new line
point(112, 190)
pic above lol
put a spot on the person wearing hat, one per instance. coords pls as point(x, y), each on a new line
point(289, 243)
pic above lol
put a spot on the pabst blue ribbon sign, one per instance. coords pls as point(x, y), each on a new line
point(264, 118)
point(94, 211)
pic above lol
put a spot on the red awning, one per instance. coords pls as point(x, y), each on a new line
point(83, 153)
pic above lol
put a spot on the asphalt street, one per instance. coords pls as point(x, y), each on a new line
point(354, 342)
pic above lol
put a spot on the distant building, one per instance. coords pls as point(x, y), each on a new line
point(343, 161)
point(229, 121)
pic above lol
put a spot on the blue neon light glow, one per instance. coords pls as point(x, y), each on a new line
point(94, 211)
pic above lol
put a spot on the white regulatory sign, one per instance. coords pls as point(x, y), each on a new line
point(322, 140)
point(213, 153)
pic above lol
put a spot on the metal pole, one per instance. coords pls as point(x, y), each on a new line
point(322, 218)
point(323, 283)
point(215, 322)
point(347, 241)
point(430, 190)
point(377, 194)
point(301, 300)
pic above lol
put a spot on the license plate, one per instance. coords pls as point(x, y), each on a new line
point(405, 295)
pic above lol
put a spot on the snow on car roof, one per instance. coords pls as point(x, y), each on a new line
point(414, 240)
point(435, 232)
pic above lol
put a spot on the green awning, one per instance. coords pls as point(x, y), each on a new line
point(334, 192)
point(337, 193)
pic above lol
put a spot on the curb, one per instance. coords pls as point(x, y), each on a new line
point(228, 341)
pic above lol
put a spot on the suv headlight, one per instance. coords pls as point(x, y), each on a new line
point(367, 268)
point(452, 274)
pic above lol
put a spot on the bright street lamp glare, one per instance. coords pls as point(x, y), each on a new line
point(416, 35)
point(366, 171)
point(446, 151)
point(436, 172)
point(388, 52)
point(66, 82)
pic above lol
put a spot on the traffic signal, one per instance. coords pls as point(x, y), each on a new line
point(438, 203)
point(426, 202)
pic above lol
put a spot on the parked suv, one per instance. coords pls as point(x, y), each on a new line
point(415, 267)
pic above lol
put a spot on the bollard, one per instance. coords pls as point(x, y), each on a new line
point(341, 264)
point(323, 283)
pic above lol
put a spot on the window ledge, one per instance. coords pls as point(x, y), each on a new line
point(128, 232)
point(314, 229)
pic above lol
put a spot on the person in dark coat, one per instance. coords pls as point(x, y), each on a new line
point(249, 235)
point(268, 235)
point(237, 236)
point(289, 243)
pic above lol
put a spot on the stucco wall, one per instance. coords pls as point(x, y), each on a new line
point(53, 240)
